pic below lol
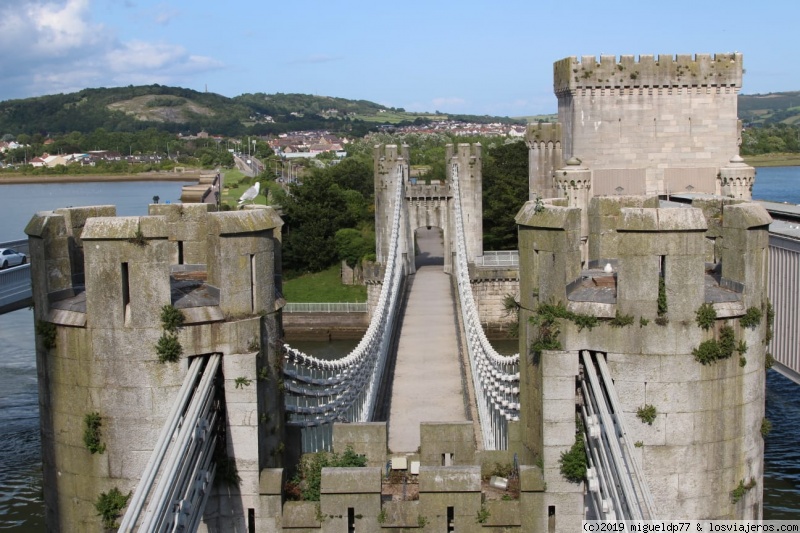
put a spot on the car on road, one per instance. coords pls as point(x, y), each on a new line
point(10, 257)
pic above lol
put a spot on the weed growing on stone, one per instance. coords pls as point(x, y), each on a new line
point(739, 492)
point(109, 506)
point(168, 348)
point(172, 318)
point(242, 382)
point(91, 433)
point(766, 427)
point(647, 414)
point(47, 332)
point(706, 315)
point(620, 321)
point(751, 318)
point(483, 515)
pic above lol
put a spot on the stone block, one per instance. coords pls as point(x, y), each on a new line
point(558, 388)
point(503, 513)
point(270, 481)
point(368, 439)
point(450, 479)
point(300, 515)
point(354, 480)
point(401, 514)
point(531, 478)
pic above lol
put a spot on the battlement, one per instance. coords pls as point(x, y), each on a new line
point(702, 70)
point(543, 132)
point(390, 152)
point(463, 151)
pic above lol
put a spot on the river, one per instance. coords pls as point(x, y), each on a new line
point(21, 508)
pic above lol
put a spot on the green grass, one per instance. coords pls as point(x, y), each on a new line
point(773, 160)
point(324, 286)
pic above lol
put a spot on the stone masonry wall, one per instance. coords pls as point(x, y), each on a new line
point(104, 360)
point(706, 437)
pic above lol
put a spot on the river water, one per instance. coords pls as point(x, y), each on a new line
point(21, 508)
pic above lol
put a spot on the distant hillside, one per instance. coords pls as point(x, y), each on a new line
point(768, 109)
point(176, 110)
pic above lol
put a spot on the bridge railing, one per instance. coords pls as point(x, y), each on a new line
point(15, 285)
point(319, 392)
point(500, 258)
point(495, 377)
point(323, 307)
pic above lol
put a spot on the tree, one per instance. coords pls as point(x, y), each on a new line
point(505, 190)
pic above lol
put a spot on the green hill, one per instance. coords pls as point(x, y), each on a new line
point(175, 110)
point(772, 108)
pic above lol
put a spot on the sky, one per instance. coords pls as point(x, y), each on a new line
point(473, 56)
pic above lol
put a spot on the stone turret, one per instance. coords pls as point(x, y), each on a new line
point(705, 438)
point(664, 125)
point(101, 283)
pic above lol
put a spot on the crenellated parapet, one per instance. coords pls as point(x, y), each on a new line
point(101, 285)
point(665, 71)
point(682, 336)
point(736, 179)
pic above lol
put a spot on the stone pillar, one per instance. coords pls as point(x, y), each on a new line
point(745, 243)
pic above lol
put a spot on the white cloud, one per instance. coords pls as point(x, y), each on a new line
point(53, 46)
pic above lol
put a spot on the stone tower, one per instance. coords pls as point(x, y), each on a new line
point(667, 267)
point(467, 160)
point(662, 125)
point(100, 284)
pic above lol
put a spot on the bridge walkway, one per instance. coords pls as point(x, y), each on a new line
point(427, 384)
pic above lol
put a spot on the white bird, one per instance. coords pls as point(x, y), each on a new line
point(250, 194)
point(608, 269)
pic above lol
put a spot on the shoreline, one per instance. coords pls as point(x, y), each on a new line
point(90, 178)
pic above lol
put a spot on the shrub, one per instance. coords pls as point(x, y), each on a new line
point(109, 506)
point(573, 463)
point(706, 315)
point(620, 321)
point(769, 360)
point(739, 492)
point(483, 515)
point(751, 318)
point(766, 427)
point(169, 349)
point(171, 318)
point(643, 322)
point(47, 331)
point(91, 433)
point(309, 471)
point(647, 414)
point(138, 239)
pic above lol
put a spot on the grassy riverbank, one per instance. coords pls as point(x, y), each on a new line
point(773, 160)
point(325, 286)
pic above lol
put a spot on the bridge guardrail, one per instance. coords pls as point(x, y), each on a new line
point(323, 307)
point(15, 284)
point(500, 258)
point(495, 377)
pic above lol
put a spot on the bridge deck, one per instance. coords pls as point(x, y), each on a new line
point(427, 384)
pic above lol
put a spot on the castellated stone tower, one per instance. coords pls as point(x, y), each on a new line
point(662, 125)
point(652, 274)
point(100, 283)
point(468, 160)
point(391, 166)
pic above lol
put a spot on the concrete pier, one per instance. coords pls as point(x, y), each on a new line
point(427, 383)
